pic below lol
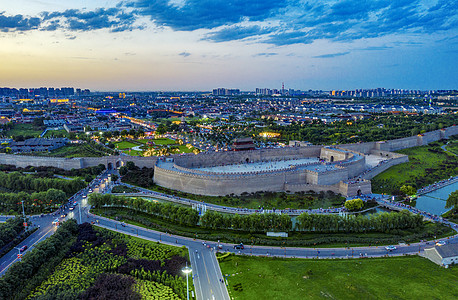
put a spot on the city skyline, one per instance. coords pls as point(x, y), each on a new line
point(139, 45)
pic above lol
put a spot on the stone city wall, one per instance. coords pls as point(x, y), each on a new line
point(211, 159)
point(39, 161)
point(384, 165)
point(354, 188)
point(74, 163)
point(294, 188)
point(223, 185)
point(332, 155)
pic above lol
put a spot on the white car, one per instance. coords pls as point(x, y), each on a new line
point(390, 248)
point(440, 243)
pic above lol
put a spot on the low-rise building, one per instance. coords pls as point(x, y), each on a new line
point(37, 145)
point(444, 255)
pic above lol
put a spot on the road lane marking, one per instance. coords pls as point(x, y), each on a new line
point(213, 259)
point(29, 249)
point(197, 279)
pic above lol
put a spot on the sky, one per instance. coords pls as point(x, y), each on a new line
point(191, 45)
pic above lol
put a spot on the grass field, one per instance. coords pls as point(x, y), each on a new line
point(164, 141)
point(125, 145)
point(268, 200)
point(381, 278)
point(24, 130)
point(51, 133)
point(453, 147)
point(75, 150)
point(427, 164)
point(185, 149)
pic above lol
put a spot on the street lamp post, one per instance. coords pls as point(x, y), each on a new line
point(187, 270)
point(23, 214)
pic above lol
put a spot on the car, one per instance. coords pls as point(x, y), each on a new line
point(56, 222)
point(63, 215)
point(390, 248)
point(239, 246)
point(71, 208)
point(23, 248)
point(440, 243)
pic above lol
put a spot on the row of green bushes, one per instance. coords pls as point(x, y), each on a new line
point(16, 182)
point(10, 230)
point(297, 238)
point(37, 202)
point(180, 214)
point(383, 222)
point(252, 223)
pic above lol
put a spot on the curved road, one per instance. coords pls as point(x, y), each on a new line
point(206, 272)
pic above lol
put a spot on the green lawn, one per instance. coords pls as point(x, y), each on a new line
point(73, 150)
point(125, 145)
point(133, 152)
point(164, 141)
point(427, 164)
point(52, 133)
point(268, 200)
point(184, 149)
point(381, 278)
point(453, 147)
point(24, 130)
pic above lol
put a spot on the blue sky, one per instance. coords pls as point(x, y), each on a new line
point(204, 44)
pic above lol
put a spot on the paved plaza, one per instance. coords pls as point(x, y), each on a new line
point(260, 166)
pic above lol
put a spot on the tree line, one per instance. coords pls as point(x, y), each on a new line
point(36, 202)
point(10, 230)
point(22, 277)
point(16, 182)
point(383, 222)
point(180, 214)
point(134, 175)
point(49, 172)
point(251, 223)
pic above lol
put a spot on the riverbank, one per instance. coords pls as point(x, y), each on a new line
point(437, 185)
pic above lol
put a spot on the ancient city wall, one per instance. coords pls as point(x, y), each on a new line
point(364, 148)
point(236, 157)
point(294, 188)
point(37, 161)
point(384, 165)
point(354, 188)
point(331, 155)
point(223, 185)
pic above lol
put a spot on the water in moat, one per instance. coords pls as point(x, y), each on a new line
point(434, 202)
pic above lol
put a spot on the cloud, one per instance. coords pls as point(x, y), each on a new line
point(205, 14)
point(235, 33)
point(277, 22)
point(115, 19)
point(331, 55)
point(185, 54)
point(266, 54)
point(18, 23)
point(375, 48)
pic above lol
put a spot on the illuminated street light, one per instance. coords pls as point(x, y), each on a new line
point(187, 270)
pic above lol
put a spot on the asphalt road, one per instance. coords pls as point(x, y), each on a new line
point(206, 272)
point(205, 268)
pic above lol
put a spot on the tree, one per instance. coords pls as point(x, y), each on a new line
point(114, 177)
point(355, 204)
point(408, 190)
point(452, 200)
point(161, 129)
point(88, 178)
